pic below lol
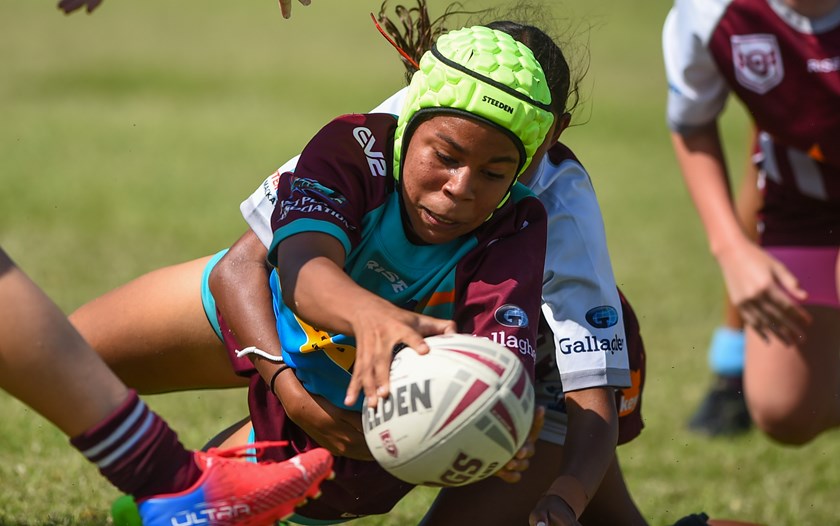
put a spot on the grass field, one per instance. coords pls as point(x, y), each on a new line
point(129, 137)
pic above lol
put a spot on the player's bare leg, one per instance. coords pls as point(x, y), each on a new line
point(723, 410)
point(792, 390)
point(154, 334)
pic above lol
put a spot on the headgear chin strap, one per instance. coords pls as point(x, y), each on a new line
point(490, 76)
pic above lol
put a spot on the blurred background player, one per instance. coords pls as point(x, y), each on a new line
point(723, 410)
point(781, 60)
point(47, 365)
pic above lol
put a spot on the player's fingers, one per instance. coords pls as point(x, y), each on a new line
point(361, 379)
point(771, 317)
point(286, 8)
point(93, 4)
point(751, 319)
point(788, 281)
point(382, 374)
point(511, 477)
point(537, 424)
point(68, 6)
point(413, 340)
point(429, 326)
point(792, 312)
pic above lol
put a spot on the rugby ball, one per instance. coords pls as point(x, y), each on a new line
point(455, 415)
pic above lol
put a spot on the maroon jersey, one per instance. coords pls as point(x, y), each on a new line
point(785, 68)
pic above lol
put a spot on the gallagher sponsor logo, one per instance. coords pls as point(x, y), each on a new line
point(602, 317)
point(511, 316)
point(591, 344)
point(512, 342)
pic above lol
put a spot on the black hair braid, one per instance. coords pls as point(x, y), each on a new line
point(417, 32)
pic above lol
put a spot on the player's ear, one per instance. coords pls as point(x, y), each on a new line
point(563, 122)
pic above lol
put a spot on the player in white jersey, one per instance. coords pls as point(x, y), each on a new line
point(781, 58)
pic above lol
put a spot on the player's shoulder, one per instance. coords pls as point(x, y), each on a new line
point(696, 17)
point(359, 125)
point(359, 139)
point(560, 153)
point(524, 210)
point(559, 173)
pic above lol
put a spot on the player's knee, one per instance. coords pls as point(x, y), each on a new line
point(793, 428)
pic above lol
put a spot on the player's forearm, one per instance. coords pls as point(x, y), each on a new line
point(326, 298)
point(702, 163)
point(590, 445)
point(310, 267)
point(239, 284)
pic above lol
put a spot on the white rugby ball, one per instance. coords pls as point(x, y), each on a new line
point(455, 415)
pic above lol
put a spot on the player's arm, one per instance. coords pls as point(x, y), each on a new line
point(590, 448)
point(315, 286)
point(759, 285)
point(239, 283)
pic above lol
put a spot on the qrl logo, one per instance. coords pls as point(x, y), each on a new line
point(464, 469)
point(388, 443)
point(757, 61)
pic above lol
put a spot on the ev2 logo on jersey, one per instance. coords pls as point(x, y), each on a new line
point(376, 161)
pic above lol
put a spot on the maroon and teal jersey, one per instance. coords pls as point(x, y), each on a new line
point(785, 69)
point(488, 282)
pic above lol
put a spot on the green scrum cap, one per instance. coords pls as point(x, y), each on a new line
point(490, 76)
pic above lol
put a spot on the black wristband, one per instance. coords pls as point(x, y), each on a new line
point(274, 376)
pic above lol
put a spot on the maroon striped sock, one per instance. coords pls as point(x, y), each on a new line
point(138, 452)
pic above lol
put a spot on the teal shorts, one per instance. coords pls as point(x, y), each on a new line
point(207, 300)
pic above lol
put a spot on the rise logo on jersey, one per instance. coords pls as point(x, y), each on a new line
point(396, 282)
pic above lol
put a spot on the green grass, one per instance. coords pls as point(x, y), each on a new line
point(130, 136)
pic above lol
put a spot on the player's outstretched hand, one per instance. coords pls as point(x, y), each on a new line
point(286, 6)
point(68, 6)
point(380, 328)
point(765, 292)
point(512, 471)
